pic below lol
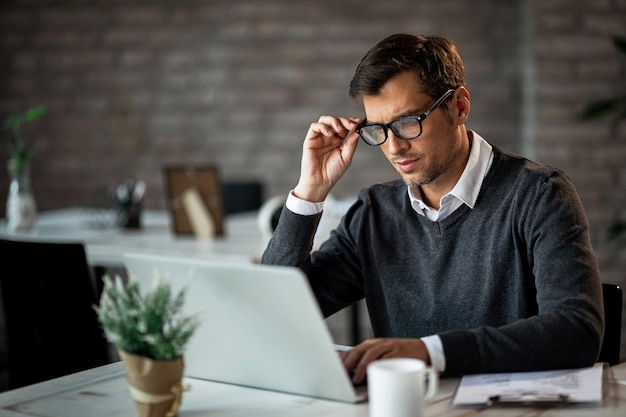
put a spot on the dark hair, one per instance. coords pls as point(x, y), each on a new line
point(434, 60)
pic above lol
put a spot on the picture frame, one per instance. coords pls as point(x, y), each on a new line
point(205, 183)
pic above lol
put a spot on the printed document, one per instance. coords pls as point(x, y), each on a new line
point(556, 387)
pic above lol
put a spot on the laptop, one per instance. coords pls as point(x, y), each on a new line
point(261, 326)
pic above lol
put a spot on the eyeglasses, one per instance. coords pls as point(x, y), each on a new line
point(406, 127)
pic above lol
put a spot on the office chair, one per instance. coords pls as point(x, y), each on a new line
point(47, 295)
point(241, 196)
point(610, 351)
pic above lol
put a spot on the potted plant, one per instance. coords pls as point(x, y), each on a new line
point(150, 332)
point(21, 208)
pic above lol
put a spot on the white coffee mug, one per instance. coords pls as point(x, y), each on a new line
point(396, 387)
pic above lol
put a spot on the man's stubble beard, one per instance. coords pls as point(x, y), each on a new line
point(426, 178)
point(431, 173)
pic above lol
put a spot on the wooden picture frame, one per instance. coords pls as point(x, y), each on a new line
point(202, 179)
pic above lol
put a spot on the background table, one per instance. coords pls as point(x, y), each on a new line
point(104, 392)
point(105, 243)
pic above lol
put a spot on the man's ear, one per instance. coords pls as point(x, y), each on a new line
point(461, 107)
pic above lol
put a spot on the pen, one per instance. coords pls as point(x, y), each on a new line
point(529, 399)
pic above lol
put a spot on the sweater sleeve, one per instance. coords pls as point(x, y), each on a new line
point(334, 272)
point(567, 331)
point(292, 240)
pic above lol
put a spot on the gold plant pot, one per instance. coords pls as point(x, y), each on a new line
point(155, 386)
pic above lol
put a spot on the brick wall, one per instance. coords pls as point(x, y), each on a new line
point(134, 85)
point(577, 63)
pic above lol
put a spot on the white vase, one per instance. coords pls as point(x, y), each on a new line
point(21, 208)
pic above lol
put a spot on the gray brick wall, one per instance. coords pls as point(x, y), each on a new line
point(133, 85)
point(577, 63)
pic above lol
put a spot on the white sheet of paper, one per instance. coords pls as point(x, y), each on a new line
point(581, 385)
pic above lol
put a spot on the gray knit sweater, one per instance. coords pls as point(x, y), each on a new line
point(511, 285)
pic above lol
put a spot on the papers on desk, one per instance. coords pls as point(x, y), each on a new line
point(548, 388)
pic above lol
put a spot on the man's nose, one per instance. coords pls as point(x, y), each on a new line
point(394, 144)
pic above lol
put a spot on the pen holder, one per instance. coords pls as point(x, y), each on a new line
point(129, 215)
point(128, 203)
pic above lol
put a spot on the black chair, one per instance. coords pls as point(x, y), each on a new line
point(47, 295)
point(241, 196)
point(611, 344)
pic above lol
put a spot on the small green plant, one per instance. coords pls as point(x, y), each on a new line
point(152, 326)
point(20, 148)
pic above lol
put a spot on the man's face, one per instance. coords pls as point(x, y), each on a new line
point(433, 158)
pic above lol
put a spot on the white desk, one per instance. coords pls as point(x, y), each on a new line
point(104, 392)
point(105, 244)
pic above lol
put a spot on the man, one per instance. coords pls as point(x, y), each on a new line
point(478, 260)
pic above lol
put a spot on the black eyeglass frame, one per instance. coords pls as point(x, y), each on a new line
point(419, 118)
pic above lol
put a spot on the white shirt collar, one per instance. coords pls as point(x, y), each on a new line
point(467, 187)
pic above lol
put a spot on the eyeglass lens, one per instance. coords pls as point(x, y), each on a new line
point(404, 128)
point(408, 127)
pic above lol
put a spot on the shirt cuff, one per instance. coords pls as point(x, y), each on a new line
point(435, 350)
point(303, 207)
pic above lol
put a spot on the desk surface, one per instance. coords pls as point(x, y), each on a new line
point(105, 243)
point(103, 391)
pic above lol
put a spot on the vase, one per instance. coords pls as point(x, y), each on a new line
point(21, 208)
point(155, 386)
